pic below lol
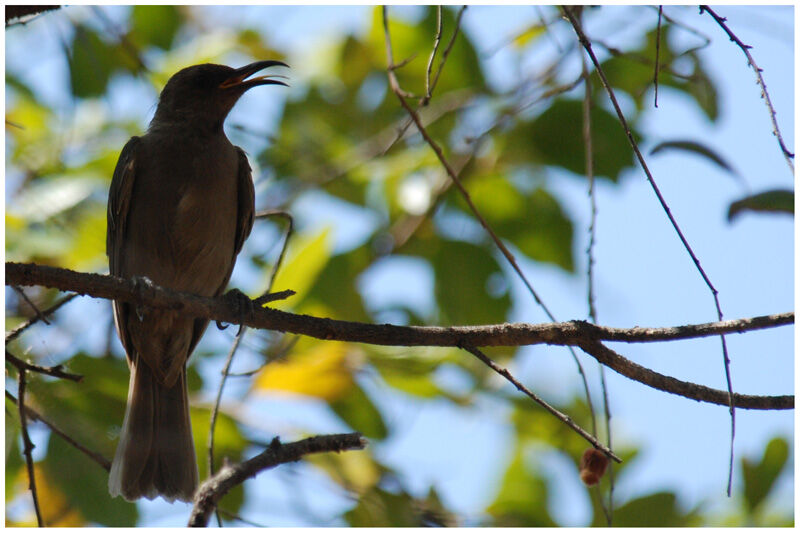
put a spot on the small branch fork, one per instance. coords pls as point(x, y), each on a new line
point(229, 476)
point(789, 156)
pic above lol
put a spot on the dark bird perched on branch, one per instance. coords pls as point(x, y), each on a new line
point(181, 205)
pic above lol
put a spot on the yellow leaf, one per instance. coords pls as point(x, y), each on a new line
point(55, 508)
point(528, 35)
point(322, 372)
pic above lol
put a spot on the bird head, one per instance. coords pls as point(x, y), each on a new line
point(203, 95)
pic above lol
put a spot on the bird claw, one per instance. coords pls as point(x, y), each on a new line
point(244, 307)
point(140, 284)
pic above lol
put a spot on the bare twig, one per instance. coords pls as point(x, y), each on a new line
point(789, 156)
point(39, 315)
point(575, 333)
point(436, 41)
point(55, 371)
point(587, 45)
point(260, 301)
point(445, 54)
point(27, 446)
point(14, 333)
point(104, 463)
point(552, 410)
point(209, 493)
point(465, 194)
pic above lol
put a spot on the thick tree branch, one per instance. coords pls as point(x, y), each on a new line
point(209, 493)
point(575, 333)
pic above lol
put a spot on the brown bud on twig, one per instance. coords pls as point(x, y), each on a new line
point(593, 466)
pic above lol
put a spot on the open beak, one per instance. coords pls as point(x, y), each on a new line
point(240, 75)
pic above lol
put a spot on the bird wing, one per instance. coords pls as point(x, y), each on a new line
point(119, 197)
point(245, 202)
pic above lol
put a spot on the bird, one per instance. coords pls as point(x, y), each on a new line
point(180, 206)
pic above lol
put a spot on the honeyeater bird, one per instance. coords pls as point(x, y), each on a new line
point(180, 206)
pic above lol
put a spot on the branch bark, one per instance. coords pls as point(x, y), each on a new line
point(574, 333)
point(214, 488)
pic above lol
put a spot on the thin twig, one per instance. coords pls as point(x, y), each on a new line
point(445, 54)
point(465, 194)
point(587, 45)
point(589, 164)
point(552, 410)
point(658, 49)
point(436, 40)
point(260, 301)
point(214, 488)
point(429, 87)
point(789, 156)
point(55, 371)
point(94, 456)
point(28, 446)
point(30, 303)
point(14, 333)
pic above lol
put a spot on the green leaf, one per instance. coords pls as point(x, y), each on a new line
point(358, 411)
point(335, 287)
point(693, 147)
point(14, 462)
point(522, 500)
point(556, 138)
point(759, 478)
point(229, 444)
point(774, 201)
point(379, 508)
point(154, 25)
point(535, 222)
point(655, 510)
point(414, 41)
point(91, 63)
point(462, 274)
point(85, 485)
point(305, 259)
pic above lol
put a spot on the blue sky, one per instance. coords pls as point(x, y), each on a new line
point(643, 275)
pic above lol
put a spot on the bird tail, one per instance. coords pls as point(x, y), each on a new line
point(155, 455)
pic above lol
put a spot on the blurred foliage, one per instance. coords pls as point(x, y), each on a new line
point(341, 134)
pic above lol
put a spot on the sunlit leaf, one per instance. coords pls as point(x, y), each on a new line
point(305, 259)
point(774, 201)
point(336, 284)
point(531, 33)
point(154, 25)
point(321, 371)
point(534, 222)
point(53, 503)
point(354, 471)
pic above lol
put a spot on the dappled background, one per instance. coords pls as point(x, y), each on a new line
point(380, 235)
